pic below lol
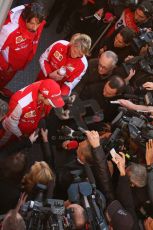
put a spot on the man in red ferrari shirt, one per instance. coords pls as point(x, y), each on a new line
point(68, 55)
point(141, 17)
point(19, 39)
point(27, 107)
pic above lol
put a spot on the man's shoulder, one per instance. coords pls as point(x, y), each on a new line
point(15, 13)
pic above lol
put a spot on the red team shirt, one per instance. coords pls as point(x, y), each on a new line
point(17, 44)
point(24, 111)
point(56, 56)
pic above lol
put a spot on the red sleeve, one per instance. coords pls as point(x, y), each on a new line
point(46, 58)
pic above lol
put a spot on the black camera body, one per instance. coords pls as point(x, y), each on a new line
point(44, 213)
point(140, 63)
point(135, 124)
point(144, 37)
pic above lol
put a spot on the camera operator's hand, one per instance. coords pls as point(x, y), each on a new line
point(65, 114)
point(44, 134)
point(148, 223)
point(21, 201)
point(100, 12)
point(131, 74)
point(102, 50)
point(93, 138)
point(149, 152)
point(144, 50)
point(126, 103)
point(129, 57)
point(148, 85)
point(119, 160)
point(33, 137)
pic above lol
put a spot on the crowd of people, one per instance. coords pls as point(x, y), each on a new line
point(89, 112)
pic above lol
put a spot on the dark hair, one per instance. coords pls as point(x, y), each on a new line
point(34, 10)
point(13, 166)
point(116, 82)
point(127, 34)
point(147, 8)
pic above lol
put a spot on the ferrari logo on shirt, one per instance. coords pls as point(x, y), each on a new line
point(30, 114)
point(58, 55)
point(20, 39)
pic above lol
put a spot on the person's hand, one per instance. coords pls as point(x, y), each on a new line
point(65, 114)
point(44, 134)
point(148, 223)
point(149, 152)
point(93, 138)
point(100, 12)
point(33, 137)
point(119, 160)
point(65, 143)
point(84, 2)
point(102, 50)
point(131, 74)
point(129, 57)
point(148, 85)
point(144, 50)
point(126, 103)
point(21, 201)
point(56, 76)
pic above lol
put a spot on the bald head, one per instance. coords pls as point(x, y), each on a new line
point(78, 215)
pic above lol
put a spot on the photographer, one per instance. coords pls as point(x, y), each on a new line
point(141, 17)
point(123, 190)
point(14, 164)
point(88, 151)
point(119, 42)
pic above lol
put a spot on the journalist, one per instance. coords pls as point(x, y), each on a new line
point(88, 151)
point(14, 165)
point(141, 17)
point(119, 42)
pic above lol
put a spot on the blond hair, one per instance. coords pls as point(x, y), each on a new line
point(82, 41)
point(40, 172)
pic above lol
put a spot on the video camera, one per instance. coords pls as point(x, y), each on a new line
point(86, 194)
point(45, 214)
point(140, 63)
point(134, 124)
point(144, 37)
point(115, 141)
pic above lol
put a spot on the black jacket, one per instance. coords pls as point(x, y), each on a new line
point(124, 195)
point(150, 184)
point(100, 171)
